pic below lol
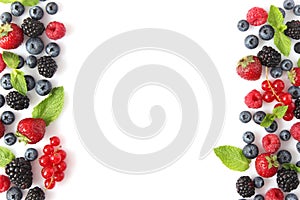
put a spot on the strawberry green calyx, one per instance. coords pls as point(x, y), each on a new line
point(292, 75)
point(272, 160)
point(244, 62)
point(5, 29)
point(22, 138)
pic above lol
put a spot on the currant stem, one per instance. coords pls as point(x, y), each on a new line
point(269, 83)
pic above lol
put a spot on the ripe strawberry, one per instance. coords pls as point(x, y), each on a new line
point(249, 68)
point(2, 64)
point(295, 131)
point(2, 129)
point(11, 36)
point(266, 165)
point(274, 194)
point(253, 99)
point(294, 76)
point(257, 16)
point(271, 143)
point(31, 130)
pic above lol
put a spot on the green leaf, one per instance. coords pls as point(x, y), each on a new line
point(298, 63)
point(268, 120)
point(275, 18)
point(18, 81)
point(280, 111)
point(291, 166)
point(12, 60)
point(282, 42)
point(50, 108)
point(232, 157)
point(24, 2)
point(6, 156)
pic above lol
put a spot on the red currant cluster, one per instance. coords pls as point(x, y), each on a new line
point(53, 163)
point(275, 91)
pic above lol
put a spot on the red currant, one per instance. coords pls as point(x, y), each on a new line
point(47, 172)
point(288, 116)
point(62, 166)
point(278, 85)
point(278, 104)
point(286, 98)
point(268, 96)
point(265, 85)
point(55, 158)
point(62, 153)
point(48, 149)
point(291, 107)
point(45, 161)
point(54, 141)
point(49, 183)
point(59, 176)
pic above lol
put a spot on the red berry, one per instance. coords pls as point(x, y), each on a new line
point(266, 165)
point(32, 130)
point(278, 85)
point(2, 64)
point(253, 99)
point(257, 16)
point(2, 129)
point(271, 143)
point(249, 68)
point(54, 141)
point(265, 85)
point(4, 183)
point(274, 194)
point(55, 30)
point(47, 172)
point(49, 183)
point(48, 149)
point(62, 153)
point(294, 76)
point(62, 166)
point(288, 116)
point(295, 131)
point(268, 96)
point(59, 176)
point(286, 98)
point(11, 36)
point(55, 158)
point(45, 161)
point(291, 107)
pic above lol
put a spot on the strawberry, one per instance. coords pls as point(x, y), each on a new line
point(266, 165)
point(11, 36)
point(295, 131)
point(249, 68)
point(2, 129)
point(31, 130)
point(2, 64)
point(294, 76)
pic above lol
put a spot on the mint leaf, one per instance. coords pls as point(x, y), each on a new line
point(268, 120)
point(282, 42)
point(6, 156)
point(24, 2)
point(280, 111)
point(275, 18)
point(291, 166)
point(18, 81)
point(11, 60)
point(50, 108)
point(232, 157)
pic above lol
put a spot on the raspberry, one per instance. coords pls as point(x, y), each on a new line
point(271, 143)
point(257, 16)
point(295, 131)
point(55, 30)
point(274, 194)
point(2, 129)
point(253, 99)
point(2, 64)
point(4, 183)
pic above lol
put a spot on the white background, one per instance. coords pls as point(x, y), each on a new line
point(212, 24)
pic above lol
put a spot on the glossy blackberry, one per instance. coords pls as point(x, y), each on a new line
point(17, 101)
point(269, 57)
point(297, 112)
point(32, 27)
point(35, 193)
point(245, 186)
point(293, 29)
point(47, 66)
point(19, 172)
point(287, 179)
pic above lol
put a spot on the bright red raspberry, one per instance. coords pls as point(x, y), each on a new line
point(274, 194)
point(257, 16)
point(4, 183)
point(2, 129)
point(2, 64)
point(253, 99)
point(295, 131)
point(55, 30)
point(271, 143)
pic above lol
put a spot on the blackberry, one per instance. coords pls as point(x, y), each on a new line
point(245, 186)
point(287, 179)
point(17, 101)
point(269, 57)
point(35, 193)
point(32, 27)
point(297, 112)
point(46, 66)
point(19, 172)
point(293, 29)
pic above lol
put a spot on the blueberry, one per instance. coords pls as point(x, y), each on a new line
point(31, 154)
point(258, 182)
point(52, 49)
point(43, 87)
point(31, 61)
point(284, 156)
point(5, 82)
point(34, 46)
point(21, 63)
point(7, 117)
point(288, 4)
point(298, 146)
point(251, 41)
point(259, 116)
point(285, 135)
point(282, 12)
point(250, 151)
point(272, 128)
point(51, 8)
point(294, 91)
point(291, 196)
point(297, 47)
point(17, 8)
point(30, 82)
point(298, 163)
point(259, 197)
point(296, 10)
point(2, 100)
point(266, 32)
point(276, 72)
point(10, 139)
point(248, 137)
point(243, 25)
point(14, 193)
point(36, 12)
point(6, 17)
point(286, 65)
point(245, 116)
